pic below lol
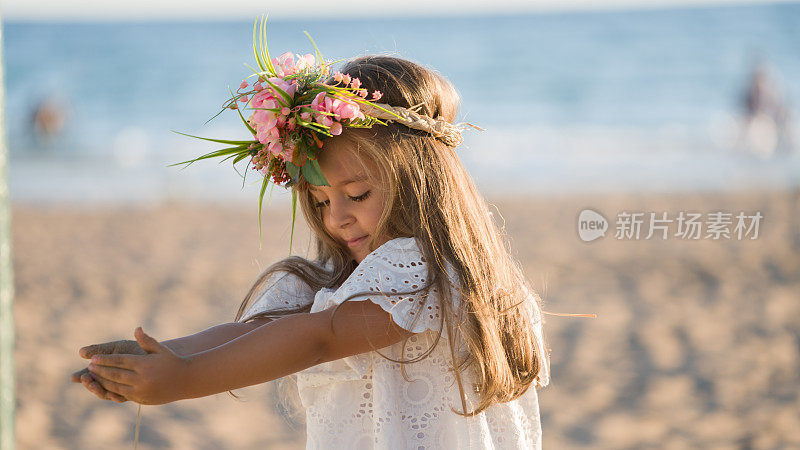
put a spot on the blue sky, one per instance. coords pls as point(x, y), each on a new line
point(90, 10)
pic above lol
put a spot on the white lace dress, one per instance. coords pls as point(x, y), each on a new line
point(363, 401)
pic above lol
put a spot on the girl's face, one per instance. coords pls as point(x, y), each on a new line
point(352, 205)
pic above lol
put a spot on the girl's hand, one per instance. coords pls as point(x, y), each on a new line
point(155, 378)
point(94, 385)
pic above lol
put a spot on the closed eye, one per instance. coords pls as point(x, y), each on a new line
point(359, 198)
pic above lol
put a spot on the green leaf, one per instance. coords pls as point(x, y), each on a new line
point(258, 74)
point(343, 91)
point(329, 88)
point(255, 47)
point(221, 141)
point(239, 110)
point(215, 115)
point(313, 173)
point(214, 154)
point(241, 157)
point(294, 215)
point(264, 48)
point(313, 126)
point(316, 49)
point(271, 188)
point(314, 111)
point(244, 177)
point(260, 202)
point(292, 170)
point(310, 148)
point(225, 159)
point(275, 110)
point(284, 94)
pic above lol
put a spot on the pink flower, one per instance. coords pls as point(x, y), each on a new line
point(243, 85)
point(356, 83)
point(285, 111)
point(322, 119)
point(305, 116)
point(243, 99)
point(318, 101)
point(336, 128)
point(267, 136)
point(288, 88)
point(264, 118)
point(275, 148)
point(346, 79)
point(284, 65)
point(335, 105)
point(337, 77)
point(362, 93)
point(258, 86)
point(376, 95)
point(305, 62)
point(286, 59)
point(271, 103)
point(262, 137)
point(287, 154)
point(346, 110)
point(263, 99)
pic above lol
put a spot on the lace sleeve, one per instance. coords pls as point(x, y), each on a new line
point(394, 277)
point(283, 290)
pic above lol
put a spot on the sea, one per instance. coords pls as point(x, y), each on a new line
point(580, 101)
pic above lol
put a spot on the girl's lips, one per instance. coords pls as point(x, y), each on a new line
point(355, 242)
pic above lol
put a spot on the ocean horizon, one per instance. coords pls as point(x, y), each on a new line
point(571, 102)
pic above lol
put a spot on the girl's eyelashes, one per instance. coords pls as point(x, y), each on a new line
point(359, 198)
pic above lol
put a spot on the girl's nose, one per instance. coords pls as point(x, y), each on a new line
point(341, 214)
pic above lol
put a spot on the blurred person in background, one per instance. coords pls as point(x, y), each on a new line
point(47, 120)
point(767, 125)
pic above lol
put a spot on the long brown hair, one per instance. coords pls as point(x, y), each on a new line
point(433, 199)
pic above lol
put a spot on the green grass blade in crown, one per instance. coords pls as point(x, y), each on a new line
point(303, 139)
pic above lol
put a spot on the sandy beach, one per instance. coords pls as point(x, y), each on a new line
point(696, 343)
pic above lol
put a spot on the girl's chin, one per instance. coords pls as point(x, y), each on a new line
point(362, 249)
point(358, 256)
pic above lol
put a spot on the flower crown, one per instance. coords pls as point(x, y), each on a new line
point(293, 107)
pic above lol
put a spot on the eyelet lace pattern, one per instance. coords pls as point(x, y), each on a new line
point(363, 401)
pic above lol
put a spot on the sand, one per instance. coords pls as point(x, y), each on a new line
point(696, 343)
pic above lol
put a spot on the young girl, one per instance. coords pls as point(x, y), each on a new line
point(412, 327)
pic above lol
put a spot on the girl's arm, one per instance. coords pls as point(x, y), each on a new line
point(212, 337)
point(183, 346)
point(272, 351)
